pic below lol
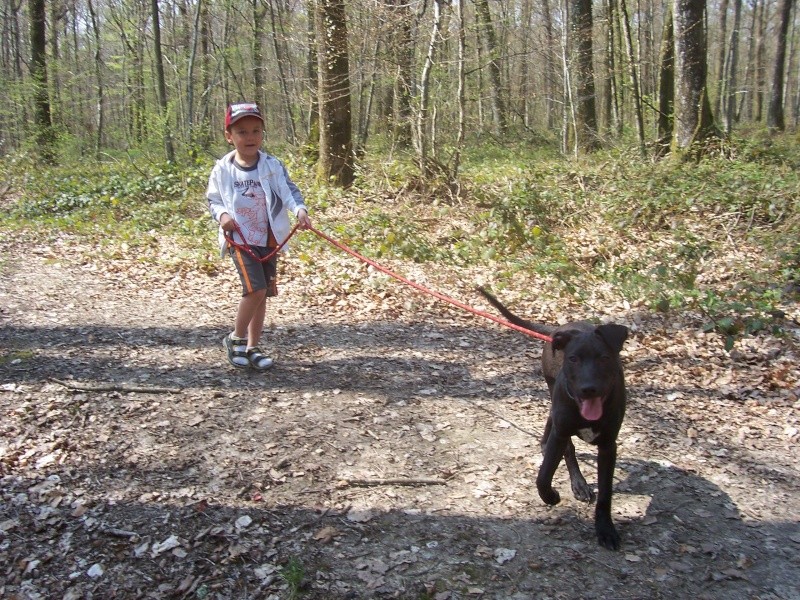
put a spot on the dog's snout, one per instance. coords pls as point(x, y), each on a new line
point(588, 391)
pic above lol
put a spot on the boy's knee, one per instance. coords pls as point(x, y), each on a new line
point(259, 294)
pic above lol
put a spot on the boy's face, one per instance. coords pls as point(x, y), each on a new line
point(246, 136)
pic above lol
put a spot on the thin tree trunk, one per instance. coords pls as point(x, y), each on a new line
point(615, 123)
point(635, 89)
point(550, 70)
point(98, 70)
point(733, 66)
point(524, 72)
point(291, 130)
point(746, 101)
point(461, 94)
point(311, 72)
point(366, 109)
point(257, 48)
point(721, 54)
point(161, 84)
point(56, 14)
point(761, 69)
point(666, 88)
point(775, 116)
point(568, 105)
point(423, 135)
point(791, 82)
point(484, 17)
point(190, 83)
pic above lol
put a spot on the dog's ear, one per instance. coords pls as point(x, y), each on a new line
point(562, 338)
point(613, 335)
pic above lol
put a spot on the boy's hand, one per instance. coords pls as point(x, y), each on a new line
point(303, 220)
point(226, 222)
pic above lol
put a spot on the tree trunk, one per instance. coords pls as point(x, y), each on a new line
point(524, 69)
point(169, 148)
point(44, 133)
point(582, 72)
point(461, 94)
point(666, 88)
point(694, 122)
point(761, 69)
point(746, 100)
point(423, 136)
point(190, 68)
point(366, 106)
point(550, 70)
point(484, 18)
point(609, 87)
point(615, 95)
point(257, 49)
point(775, 118)
point(291, 131)
point(729, 104)
point(336, 161)
point(312, 125)
point(402, 128)
point(98, 69)
point(635, 86)
point(57, 13)
point(721, 54)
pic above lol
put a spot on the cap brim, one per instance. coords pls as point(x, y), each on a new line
point(240, 117)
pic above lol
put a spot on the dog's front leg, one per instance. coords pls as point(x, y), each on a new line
point(580, 489)
point(553, 451)
point(607, 535)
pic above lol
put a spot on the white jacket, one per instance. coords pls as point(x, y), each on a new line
point(282, 194)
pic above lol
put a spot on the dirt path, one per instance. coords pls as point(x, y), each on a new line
point(298, 482)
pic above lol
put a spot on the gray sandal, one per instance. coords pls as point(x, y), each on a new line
point(236, 349)
point(258, 360)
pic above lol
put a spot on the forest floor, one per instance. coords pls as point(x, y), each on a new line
point(391, 452)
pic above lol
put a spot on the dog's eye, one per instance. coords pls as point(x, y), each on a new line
point(573, 358)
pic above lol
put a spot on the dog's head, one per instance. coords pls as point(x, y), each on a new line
point(590, 365)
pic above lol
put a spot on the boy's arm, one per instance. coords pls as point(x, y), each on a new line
point(295, 201)
point(216, 204)
point(299, 209)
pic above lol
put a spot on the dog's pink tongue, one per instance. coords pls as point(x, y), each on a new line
point(592, 408)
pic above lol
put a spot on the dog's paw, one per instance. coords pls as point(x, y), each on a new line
point(607, 536)
point(550, 496)
point(582, 491)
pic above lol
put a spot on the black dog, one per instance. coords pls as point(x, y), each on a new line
point(587, 389)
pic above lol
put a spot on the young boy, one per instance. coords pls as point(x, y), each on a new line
point(252, 189)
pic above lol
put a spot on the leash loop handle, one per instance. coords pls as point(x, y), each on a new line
point(245, 247)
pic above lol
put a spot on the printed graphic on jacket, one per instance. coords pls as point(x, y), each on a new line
point(251, 211)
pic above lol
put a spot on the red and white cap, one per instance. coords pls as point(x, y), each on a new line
point(240, 110)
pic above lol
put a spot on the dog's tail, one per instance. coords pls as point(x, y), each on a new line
point(537, 327)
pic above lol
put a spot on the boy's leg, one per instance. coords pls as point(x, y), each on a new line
point(256, 326)
point(250, 316)
point(258, 282)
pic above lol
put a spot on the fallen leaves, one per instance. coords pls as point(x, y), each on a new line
point(326, 534)
point(387, 448)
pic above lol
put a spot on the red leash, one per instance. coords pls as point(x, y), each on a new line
point(245, 248)
point(433, 293)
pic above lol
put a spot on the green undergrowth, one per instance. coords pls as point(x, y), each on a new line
point(718, 237)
